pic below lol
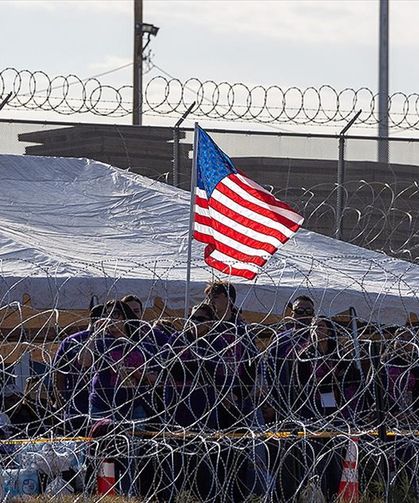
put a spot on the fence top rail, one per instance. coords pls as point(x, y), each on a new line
point(214, 130)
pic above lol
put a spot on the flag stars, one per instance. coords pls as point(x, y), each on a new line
point(213, 164)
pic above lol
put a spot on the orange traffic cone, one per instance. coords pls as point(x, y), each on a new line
point(106, 477)
point(349, 485)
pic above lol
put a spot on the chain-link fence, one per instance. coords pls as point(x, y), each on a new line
point(335, 182)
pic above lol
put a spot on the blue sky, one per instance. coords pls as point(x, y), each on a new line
point(287, 43)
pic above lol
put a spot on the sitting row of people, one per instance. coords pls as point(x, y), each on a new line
point(210, 373)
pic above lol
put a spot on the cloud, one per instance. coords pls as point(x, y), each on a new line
point(103, 70)
point(299, 21)
point(109, 63)
point(113, 6)
point(314, 22)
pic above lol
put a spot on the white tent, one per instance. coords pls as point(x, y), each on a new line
point(73, 228)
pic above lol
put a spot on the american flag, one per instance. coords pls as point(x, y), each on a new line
point(242, 223)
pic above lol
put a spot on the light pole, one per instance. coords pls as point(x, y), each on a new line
point(140, 29)
point(383, 84)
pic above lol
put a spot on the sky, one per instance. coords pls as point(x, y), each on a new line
point(279, 42)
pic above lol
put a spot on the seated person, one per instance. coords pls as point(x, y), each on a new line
point(71, 383)
point(326, 382)
point(122, 370)
point(32, 414)
point(402, 379)
point(222, 297)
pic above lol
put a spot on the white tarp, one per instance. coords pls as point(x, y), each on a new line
point(73, 228)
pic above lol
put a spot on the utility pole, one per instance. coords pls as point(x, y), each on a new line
point(137, 99)
point(383, 84)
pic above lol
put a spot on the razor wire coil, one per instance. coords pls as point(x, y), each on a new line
point(167, 96)
point(235, 411)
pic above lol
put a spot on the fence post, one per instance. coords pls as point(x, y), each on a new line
point(175, 179)
point(176, 141)
point(378, 391)
point(5, 101)
point(380, 407)
point(355, 338)
point(341, 177)
point(383, 100)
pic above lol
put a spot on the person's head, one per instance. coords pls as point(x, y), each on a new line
point(201, 319)
point(96, 313)
point(119, 313)
point(135, 304)
point(323, 334)
point(221, 296)
point(302, 310)
point(203, 313)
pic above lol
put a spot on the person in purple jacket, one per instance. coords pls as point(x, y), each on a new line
point(192, 392)
point(155, 343)
point(124, 377)
point(328, 381)
point(233, 356)
point(401, 402)
point(328, 386)
point(71, 384)
point(212, 380)
point(191, 403)
point(402, 376)
point(230, 358)
point(122, 372)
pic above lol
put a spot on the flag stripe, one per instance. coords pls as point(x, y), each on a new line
point(229, 187)
point(218, 255)
point(231, 271)
point(227, 197)
point(201, 202)
point(201, 193)
point(259, 231)
point(259, 193)
point(220, 258)
point(236, 234)
point(234, 248)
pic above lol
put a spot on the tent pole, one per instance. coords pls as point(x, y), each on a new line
point(191, 219)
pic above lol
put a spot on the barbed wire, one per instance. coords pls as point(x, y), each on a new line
point(165, 95)
point(378, 216)
point(203, 409)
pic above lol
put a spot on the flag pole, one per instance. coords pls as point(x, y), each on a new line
point(191, 219)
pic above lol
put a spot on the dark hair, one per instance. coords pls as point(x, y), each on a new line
point(303, 298)
point(133, 298)
point(218, 287)
point(208, 310)
point(96, 312)
point(128, 314)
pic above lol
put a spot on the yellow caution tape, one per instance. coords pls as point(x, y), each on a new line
point(219, 435)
